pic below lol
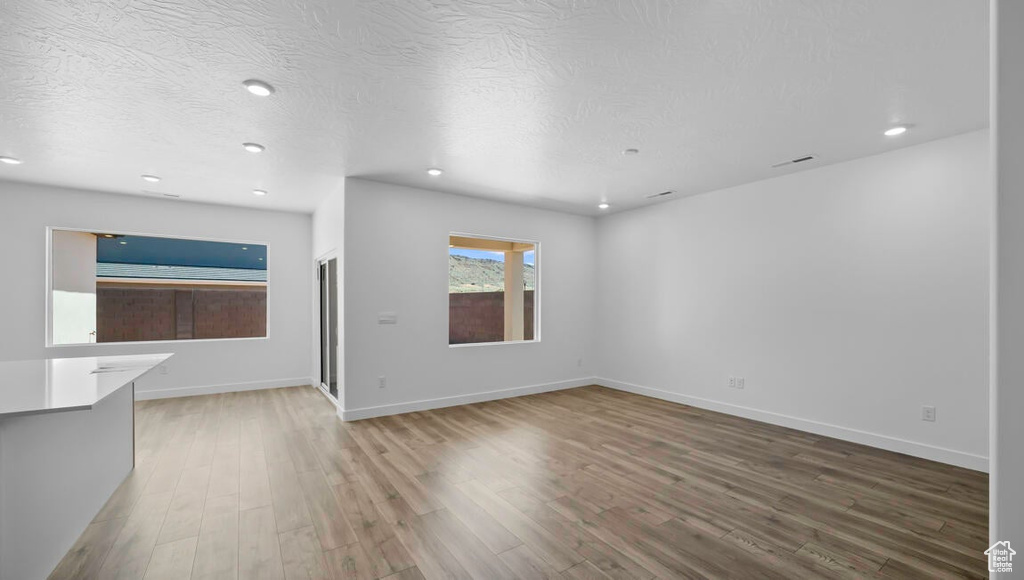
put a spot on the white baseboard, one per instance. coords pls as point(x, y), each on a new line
point(428, 404)
point(215, 389)
point(925, 451)
point(940, 454)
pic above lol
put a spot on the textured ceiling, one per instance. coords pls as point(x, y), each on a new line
point(526, 100)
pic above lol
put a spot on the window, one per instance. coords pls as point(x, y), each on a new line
point(109, 287)
point(492, 290)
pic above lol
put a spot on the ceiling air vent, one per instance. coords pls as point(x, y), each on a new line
point(662, 194)
point(802, 159)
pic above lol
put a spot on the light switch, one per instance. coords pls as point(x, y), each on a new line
point(387, 318)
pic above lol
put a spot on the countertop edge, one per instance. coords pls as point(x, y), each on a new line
point(163, 357)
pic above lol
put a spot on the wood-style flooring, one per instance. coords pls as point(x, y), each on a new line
point(583, 483)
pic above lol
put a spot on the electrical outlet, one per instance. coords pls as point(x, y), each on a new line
point(732, 382)
point(579, 362)
point(382, 382)
point(928, 413)
point(163, 369)
point(740, 382)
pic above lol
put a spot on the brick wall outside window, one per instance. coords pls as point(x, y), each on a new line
point(128, 314)
point(480, 317)
point(230, 313)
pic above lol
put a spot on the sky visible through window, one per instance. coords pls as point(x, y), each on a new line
point(528, 257)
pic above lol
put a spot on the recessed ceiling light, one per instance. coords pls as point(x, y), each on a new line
point(260, 259)
point(253, 147)
point(108, 235)
point(258, 88)
point(630, 151)
point(259, 192)
point(123, 243)
point(10, 160)
point(245, 247)
point(434, 172)
point(151, 178)
point(603, 206)
point(897, 130)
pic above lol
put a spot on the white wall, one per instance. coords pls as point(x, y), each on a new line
point(74, 261)
point(281, 359)
point(847, 296)
point(1007, 436)
point(73, 287)
point(329, 241)
point(396, 260)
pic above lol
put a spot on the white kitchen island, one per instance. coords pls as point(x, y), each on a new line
point(67, 440)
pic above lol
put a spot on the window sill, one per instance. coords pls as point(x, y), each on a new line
point(496, 343)
point(145, 342)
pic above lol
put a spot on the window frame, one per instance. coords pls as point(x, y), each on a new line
point(537, 300)
point(48, 289)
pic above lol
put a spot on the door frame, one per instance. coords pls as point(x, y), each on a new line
point(320, 262)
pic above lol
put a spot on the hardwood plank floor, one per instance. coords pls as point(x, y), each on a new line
point(583, 483)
